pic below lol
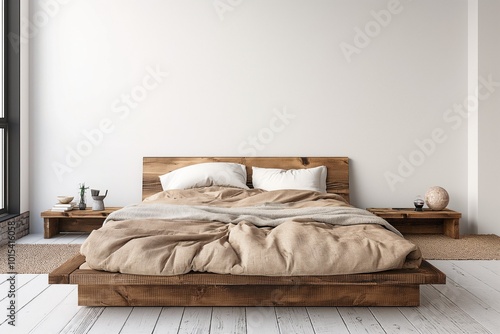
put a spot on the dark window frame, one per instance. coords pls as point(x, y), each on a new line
point(11, 106)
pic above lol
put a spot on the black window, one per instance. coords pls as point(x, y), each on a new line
point(10, 109)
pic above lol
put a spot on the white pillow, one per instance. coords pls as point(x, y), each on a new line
point(205, 175)
point(303, 179)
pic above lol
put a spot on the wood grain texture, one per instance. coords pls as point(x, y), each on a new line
point(388, 288)
point(337, 180)
point(73, 220)
point(50, 227)
point(411, 213)
point(61, 274)
point(451, 228)
point(409, 221)
point(248, 295)
point(87, 213)
point(426, 274)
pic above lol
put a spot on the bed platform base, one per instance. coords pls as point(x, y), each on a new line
point(388, 288)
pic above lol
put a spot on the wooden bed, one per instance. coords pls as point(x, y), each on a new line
point(388, 288)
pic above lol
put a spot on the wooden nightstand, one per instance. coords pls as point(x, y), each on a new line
point(428, 221)
point(73, 221)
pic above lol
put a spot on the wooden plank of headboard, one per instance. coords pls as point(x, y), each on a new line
point(337, 180)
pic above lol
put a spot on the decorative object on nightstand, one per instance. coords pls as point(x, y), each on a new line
point(65, 199)
point(419, 203)
point(64, 204)
point(437, 198)
point(98, 204)
point(82, 205)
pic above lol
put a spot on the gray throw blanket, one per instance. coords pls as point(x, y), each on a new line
point(267, 215)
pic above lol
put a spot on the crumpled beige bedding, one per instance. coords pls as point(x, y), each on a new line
point(246, 232)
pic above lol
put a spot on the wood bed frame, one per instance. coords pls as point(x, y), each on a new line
point(387, 288)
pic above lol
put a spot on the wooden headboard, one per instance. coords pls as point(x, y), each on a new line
point(337, 180)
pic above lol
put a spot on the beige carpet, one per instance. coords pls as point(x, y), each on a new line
point(37, 259)
point(42, 259)
point(468, 247)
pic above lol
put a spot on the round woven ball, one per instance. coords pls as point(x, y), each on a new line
point(437, 198)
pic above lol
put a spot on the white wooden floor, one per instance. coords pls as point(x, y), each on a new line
point(468, 303)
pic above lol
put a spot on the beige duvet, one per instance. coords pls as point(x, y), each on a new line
point(246, 232)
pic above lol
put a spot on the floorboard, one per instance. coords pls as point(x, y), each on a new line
point(468, 303)
point(111, 320)
point(294, 320)
point(33, 313)
point(60, 316)
point(360, 320)
point(326, 320)
point(446, 309)
point(474, 306)
point(493, 266)
point(261, 320)
point(481, 273)
point(83, 320)
point(471, 283)
point(393, 321)
point(196, 320)
point(31, 238)
point(142, 320)
point(169, 320)
point(228, 320)
point(28, 291)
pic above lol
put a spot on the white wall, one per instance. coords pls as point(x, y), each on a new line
point(226, 79)
point(489, 118)
point(24, 130)
point(473, 116)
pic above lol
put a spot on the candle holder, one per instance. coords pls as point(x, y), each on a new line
point(419, 203)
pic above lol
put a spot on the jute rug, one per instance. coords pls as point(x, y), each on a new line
point(42, 259)
point(468, 247)
point(37, 259)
